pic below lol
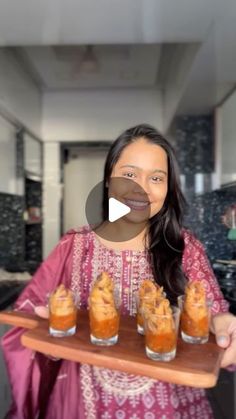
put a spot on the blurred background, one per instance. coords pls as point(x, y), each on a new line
point(73, 76)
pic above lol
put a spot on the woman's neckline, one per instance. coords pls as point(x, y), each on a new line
point(117, 251)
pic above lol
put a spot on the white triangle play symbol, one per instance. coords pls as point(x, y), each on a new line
point(117, 209)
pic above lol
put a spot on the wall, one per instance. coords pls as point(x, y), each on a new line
point(18, 94)
point(98, 114)
point(83, 116)
point(77, 185)
point(20, 102)
point(51, 197)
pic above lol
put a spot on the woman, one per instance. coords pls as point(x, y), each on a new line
point(156, 247)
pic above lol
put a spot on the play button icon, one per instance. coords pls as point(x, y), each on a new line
point(122, 206)
point(117, 210)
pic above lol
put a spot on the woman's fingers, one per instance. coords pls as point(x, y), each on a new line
point(224, 327)
point(229, 356)
point(42, 311)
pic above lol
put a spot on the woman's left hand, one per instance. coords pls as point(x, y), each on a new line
point(224, 327)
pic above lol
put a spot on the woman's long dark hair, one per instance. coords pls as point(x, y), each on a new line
point(166, 244)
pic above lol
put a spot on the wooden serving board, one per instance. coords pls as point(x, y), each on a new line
point(194, 365)
point(20, 319)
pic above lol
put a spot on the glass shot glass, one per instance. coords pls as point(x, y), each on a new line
point(194, 320)
point(145, 303)
point(141, 304)
point(104, 319)
point(62, 313)
point(161, 334)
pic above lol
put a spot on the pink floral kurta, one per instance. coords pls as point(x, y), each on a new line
point(83, 391)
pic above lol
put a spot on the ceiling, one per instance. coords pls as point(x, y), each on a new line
point(130, 65)
point(186, 48)
point(61, 67)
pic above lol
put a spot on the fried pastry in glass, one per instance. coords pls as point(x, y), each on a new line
point(161, 324)
point(195, 316)
point(62, 312)
point(104, 313)
point(148, 295)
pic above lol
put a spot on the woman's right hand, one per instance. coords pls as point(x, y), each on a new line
point(42, 311)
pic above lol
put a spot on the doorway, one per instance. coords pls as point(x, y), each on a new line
point(82, 169)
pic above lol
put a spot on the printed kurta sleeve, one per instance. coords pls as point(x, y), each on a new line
point(54, 270)
point(24, 373)
point(197, 267)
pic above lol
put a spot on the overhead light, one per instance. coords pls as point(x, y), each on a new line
point(89, 62)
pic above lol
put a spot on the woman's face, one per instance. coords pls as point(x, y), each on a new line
point(145, 164)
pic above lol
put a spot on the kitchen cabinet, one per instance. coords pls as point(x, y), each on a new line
point(33, 222)
point(225, 141)
point(32, 156)
point(20, 199)
point(10, 183)
point(33, 201)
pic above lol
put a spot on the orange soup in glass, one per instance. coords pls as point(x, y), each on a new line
point(62, 312)
point(161, 330)
point(195, 315)
point(104, 313)
point(104, 324)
